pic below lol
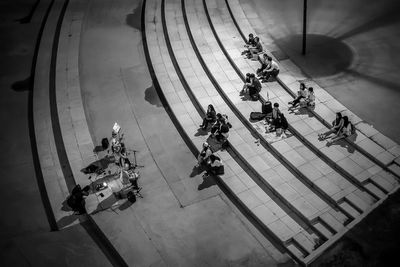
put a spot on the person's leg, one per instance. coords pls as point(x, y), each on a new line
point(327, 133)
point(81, 207)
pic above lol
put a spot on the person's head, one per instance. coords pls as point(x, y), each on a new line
point(211, 107)
point(269, 58)
point(345, 120)
point(311, 90)
point(265, 56)
point(302, 86)
point(276, 106)
point(338, 115)
point(252, 76)
point(256, 39)
point(126, 166)
point(251, 36)
point(219, 116)
point(114, 134)
point(205, 145)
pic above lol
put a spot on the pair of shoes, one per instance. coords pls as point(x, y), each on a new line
point(290, 102)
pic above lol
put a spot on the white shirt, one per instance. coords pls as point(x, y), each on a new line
point(273, 66)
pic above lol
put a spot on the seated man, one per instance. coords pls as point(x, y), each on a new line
point(310, 100)
point(77, 199)
point(204, 154)
point(128, 175)
point(265, 64)
point(276, 116)
point(223, 132)
point(215, 166)
point(272, 70)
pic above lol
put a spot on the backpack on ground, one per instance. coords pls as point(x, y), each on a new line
point(266, 107)
point(105, 143)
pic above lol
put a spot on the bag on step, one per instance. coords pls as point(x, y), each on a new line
point(266, 107)
point(257, 116)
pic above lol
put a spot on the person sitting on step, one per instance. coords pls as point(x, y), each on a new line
point(249, 42)
point(215, 166)
point(253, 87)
point(272, 70)
point(336, 126)
point(223, 132)
point(344, 131)
point(128, 175)
point(209, 118)
point(255, 49)
point(204, 155)
point(265, 64)
point(301, 94)
point(310, 100)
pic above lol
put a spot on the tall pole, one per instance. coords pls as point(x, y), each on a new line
point(304, 27)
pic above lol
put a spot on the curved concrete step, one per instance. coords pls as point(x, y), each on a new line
point(53, 175)
point(236, 179)
point(305, 151)
point(349, 162)
point(372, 144)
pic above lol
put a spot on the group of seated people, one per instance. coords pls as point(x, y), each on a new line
point(341, 128)
point(220, 124)
point(305, 97)
point(212, 162)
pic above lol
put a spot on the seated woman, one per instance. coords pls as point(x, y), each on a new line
point(217, 124)
point(204, 154)
point(215, 166)
point(209, 118)
point(336, 126)
point(301, 94)
point(255, 48)
point(344, 131)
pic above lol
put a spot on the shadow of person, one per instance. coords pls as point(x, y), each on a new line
point(201, 132)
point(208, 181)
point(125, 205)
point(151, 96)
point(197, 170)
point(67, 220)
point(65, 206)
point(23, 85)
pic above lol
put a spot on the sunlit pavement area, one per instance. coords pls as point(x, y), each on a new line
point(184, 219)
